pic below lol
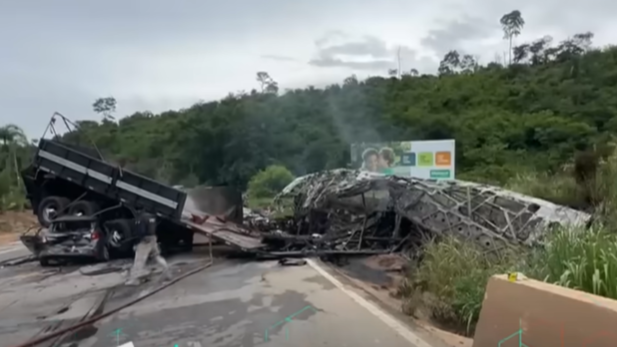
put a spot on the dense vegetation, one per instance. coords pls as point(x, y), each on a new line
point(450, 282)
point(15, 151)
point(528, 116)
point(540, 123)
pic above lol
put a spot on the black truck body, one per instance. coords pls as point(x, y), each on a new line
point(68, 176)
point(93, 175)
point(74, 179)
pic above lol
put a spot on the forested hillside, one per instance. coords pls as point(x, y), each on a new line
point(530, 114)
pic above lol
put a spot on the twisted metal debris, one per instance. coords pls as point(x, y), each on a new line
point(347, 211)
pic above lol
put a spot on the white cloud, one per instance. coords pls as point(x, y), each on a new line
point(156, 55)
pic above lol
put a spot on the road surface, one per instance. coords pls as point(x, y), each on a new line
point(12, 251)
point(249, 304)
point(232, 303)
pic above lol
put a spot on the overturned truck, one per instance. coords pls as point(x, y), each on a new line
point(353, 212)
point(69, 180)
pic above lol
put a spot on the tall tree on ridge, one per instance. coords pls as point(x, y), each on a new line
point(511, 23)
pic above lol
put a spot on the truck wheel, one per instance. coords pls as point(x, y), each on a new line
point(187, 240)
point(104, 254)
point(44, 262)
point(83, 208)
point(50, 208)
point(120, 236)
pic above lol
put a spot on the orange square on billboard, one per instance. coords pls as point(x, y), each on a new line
point(443, 159)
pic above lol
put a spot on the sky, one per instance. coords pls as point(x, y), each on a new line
point(157, 55)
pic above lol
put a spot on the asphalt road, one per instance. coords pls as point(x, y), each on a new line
point(12, 251)
point(232, 303)
point(248, 304)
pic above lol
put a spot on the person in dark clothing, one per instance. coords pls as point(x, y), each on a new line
point(145, 231)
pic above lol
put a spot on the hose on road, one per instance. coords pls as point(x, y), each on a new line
point(115, 310)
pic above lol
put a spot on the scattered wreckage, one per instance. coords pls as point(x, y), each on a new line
point(350, 212)
point(334, 212)
point(70, 180)
point(354, 212)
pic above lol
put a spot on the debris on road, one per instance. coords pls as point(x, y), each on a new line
point(291, 262)
point(351, 212)
point(355, 212)
point(18, 260)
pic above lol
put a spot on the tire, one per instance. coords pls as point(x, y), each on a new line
point(187, 241)
point(83, 208)
point(49, 205)
point(122, 228)
point(44, 262)
point(103, 255)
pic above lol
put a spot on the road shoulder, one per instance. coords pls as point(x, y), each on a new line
point(396, 320)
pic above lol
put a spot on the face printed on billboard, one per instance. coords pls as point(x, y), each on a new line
point(421, 159)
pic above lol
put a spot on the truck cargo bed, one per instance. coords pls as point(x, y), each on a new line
point(94, 174)
point(229, 233)
point(71, 172)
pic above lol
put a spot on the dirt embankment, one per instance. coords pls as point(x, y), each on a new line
point(12, 224)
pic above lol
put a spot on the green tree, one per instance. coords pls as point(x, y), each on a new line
point(14, 150)
point(268, 182)
point(532, 116)
point(511, 23)
point(105, 107)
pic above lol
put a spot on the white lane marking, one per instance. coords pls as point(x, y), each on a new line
point(372, 308)
point(128, 344)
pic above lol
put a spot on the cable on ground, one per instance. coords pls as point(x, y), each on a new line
point(115, 310)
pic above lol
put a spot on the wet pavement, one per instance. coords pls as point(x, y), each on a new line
point(232, 303)
point(245, 304)
point(34, 300)
point(12, 251)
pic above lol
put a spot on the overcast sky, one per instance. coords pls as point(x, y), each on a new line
point(156, 55)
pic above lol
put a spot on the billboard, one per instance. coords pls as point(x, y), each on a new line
point(422, 159)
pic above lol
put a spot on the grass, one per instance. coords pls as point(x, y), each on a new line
point(559, 189)
point(582, 259)
point(455, 272)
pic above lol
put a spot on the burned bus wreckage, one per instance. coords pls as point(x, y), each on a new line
point(338, 212)
point(334, 212)
point(354, 212)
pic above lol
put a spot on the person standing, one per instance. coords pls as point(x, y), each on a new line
point(145, 231)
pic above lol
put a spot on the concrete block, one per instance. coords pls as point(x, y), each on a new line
point(529, 313)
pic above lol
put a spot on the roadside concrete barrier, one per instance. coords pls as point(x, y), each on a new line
point(520, 312)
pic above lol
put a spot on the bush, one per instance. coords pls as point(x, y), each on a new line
point(583, 258)
point(580, 259)
point(267, 183)
point(604, 192)
point(560, 189)
point(12, 196)
point(456, 272)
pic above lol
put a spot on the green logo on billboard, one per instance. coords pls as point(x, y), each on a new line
point(440, 173)
point(425, 159)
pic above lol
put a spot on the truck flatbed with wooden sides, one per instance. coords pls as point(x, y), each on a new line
point(66, 179)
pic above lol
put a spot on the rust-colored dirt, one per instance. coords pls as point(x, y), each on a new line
point(12, 224)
